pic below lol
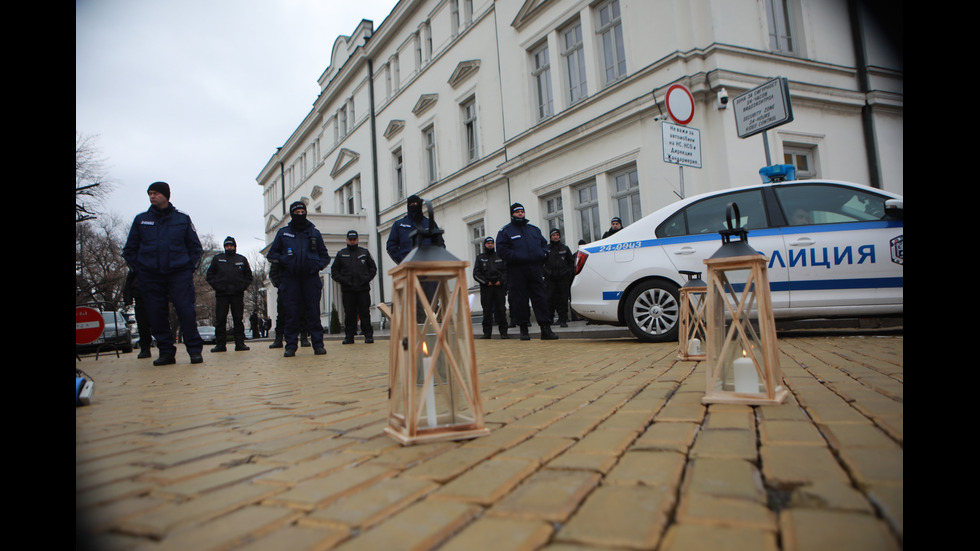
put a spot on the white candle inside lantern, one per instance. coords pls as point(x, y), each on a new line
point(746, 379)
point(694, 347)
point(430, 390)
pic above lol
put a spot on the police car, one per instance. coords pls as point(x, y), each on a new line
point(834, 250)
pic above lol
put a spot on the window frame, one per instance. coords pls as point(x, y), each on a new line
point(471, 140)
point(611, 41)
point(587, 212)
point(631, 192)
point(576, 77)
point(541, 76)
point(430, 153)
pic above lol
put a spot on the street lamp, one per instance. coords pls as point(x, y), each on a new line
point(742, 361)
point(433, 391)
point(692, 333)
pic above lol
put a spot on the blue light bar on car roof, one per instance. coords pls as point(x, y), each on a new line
point(777, 173)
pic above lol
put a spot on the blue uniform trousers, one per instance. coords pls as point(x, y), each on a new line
point(157, 290)
point(527, 282)
point(298, 296)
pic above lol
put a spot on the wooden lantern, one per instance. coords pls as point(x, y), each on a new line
point(692, 333)
point(433, 392)
point(742, 360)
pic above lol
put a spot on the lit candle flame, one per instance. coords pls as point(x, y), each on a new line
point(425, 349)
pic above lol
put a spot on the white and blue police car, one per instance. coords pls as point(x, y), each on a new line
point(834, 250)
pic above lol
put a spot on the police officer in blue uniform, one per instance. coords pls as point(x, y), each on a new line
point(400, 239)
point(524, 249)
point(163, 250)
point(353, 268)
point(299, 250)
point(490, 271)
point(229, 275)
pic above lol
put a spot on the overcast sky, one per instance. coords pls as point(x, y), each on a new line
point(199, 93)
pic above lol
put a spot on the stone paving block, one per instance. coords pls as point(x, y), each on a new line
point(681, 412)
point(693, 537)
point(404, 457)
point(108, 476)
point(595, 462)
point(818, 530)
point(738, 444)
point(501, 438)
point(110, 514)
point(622, 419)
point(730, 417)
point(184, 471)
point(835, 413)
point(170, 458)
point(307, 450)
point(227, 530)
point(731, 478)
point(313, 468)
point(605, 441)
point(501, 533)
point(122, 489)
point(796, 465)
point(157, 523)
point(318, 492)
point(539, 449)
point(447, 466)
point(550, 495)
point(575, 425)
point(668, 436)
point(422, 526)
point(710, 510)
point(211, 481)
point(487, 482)
point(830, 494)
point(789, 433)
point(650, 468)
point(874, 466)
point(372, 504)
point(849, 435)
point(298, 538)
point(620, 516)
point(889, 499)
point(789, 411)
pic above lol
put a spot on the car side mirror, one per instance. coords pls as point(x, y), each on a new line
point(893, 208)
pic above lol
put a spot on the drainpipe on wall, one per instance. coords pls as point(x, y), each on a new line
point(374, 173)
point(864, 86)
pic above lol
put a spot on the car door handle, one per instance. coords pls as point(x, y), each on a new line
point(802, 242)
point(685, 250)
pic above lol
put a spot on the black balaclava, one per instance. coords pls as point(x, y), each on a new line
point(415, 207)
point(298, 220)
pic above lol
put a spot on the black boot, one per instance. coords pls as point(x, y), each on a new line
point(277, 342)
point(503, 332)
point(525, 336)
point(546, 333)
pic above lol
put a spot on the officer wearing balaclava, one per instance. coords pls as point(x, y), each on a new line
point(400, 239)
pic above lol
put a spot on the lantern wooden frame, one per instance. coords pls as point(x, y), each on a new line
point(692, 333)
point(724, 301)
point(433, 386)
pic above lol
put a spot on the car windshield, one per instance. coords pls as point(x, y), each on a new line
point(708, 215)
point(112, 318)
point(805, 204)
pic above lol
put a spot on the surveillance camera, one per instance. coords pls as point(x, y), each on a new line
point(722, 100)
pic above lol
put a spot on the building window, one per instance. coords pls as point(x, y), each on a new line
point(803, 158)
point(611, 34)
point(587, 205)
point(418, 51)
point(429, 143)
point(399, 176)
point(573, 51)
point(467, 12)
point(470, 130)
point(553, 217)
point(427, 41)
point(541, 73)
point(780, 35)
point(342, 121)
point(349, 197)
point(477, 233)
point(627, 197)
point(396, 72)
point(454, 21)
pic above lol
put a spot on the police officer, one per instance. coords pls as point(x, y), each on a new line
point(491, 273)
point(229, 275)
point(558, 270)
point(400, 240)
point(614, 227)
point(299, 250)
point(164, 250)
point(524, 249)
point(353, 268)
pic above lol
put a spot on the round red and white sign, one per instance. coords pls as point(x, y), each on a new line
point(680, 104)
point(88, 324)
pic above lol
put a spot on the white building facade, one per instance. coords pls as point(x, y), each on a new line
point(559, 105)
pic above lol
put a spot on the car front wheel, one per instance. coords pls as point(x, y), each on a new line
point(653, 311)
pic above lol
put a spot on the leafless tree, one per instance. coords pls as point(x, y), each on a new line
point(100, 271)
point(204, 303)
point(92, 182)
point(255, 294)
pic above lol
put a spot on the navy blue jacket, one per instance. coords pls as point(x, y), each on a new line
point(299, 252)
point(162, 242)
point(400, 239)
point(520, 243)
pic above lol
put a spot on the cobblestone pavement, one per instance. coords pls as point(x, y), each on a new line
point(595, 444)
